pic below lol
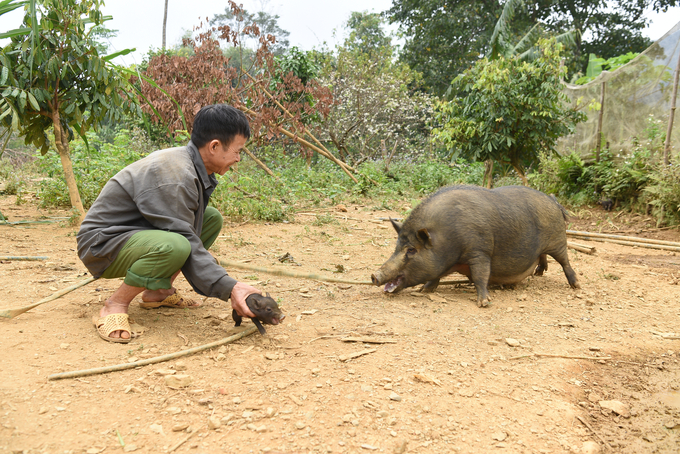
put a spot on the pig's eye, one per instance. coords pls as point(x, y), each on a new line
point(411, 251)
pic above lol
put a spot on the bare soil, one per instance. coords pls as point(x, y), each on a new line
point(450, 377)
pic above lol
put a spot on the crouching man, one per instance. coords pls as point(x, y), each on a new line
point(152, 221)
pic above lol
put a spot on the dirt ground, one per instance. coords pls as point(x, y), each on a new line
point(444, 375)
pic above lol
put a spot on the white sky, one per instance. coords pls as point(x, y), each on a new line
point(310, 22)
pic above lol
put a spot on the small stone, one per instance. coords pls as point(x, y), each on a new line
point(300, 425)
point(165, 372)
point(388, 386)
point(156, 428)
point(369, 447)
point(237, 400)
point(225, 419)
point(437, 299)
point(64, 346)
point(367, 388)
point(499, 436)
point(346, 257)
point(270, 412)
point(590, 447)
point(43, 410)
point(180, 427)
point(178, 381)
point(512, 342)
point(132, 359)
point(594, 349)
point(214, 423)
point(617, 407)
point(382, 414)
point(509, 309)
point(672, 424)
point(174, 410)
point(180, 365)
point(594, 397)
point(129, 448)
point(251, 426)
point(271, 356)
point(224, 316)
point(220, 357)
point(395, 397)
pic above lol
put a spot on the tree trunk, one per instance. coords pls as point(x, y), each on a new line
point(61, 141)
point(520, 172)
point(488, 173)
point(165, 22)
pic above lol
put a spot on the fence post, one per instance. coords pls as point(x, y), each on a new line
point(667, 145)
point(599, 125)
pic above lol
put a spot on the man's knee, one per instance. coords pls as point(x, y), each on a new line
point(213, 217)
point(177, 247)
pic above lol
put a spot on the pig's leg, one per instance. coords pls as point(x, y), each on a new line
point(542, 265)
point(563, 259)
point(480, 270)
point(430, 286)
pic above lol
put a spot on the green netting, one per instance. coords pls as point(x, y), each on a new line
point(637, 103)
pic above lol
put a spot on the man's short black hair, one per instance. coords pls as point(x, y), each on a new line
point(219, 121)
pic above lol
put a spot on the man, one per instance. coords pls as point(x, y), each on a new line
point(152, 221)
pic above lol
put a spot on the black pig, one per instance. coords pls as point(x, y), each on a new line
point(266, 310)
point(497, 236)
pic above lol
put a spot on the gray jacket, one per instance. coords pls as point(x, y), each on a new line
point(167, 190)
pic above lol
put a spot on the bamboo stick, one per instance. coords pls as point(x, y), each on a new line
point(20, 257)
point(317, 277)
point(633, 243)
point(259, 163)
point(581, 247)
point(599, 123)
point(621, 238)
point(157, 359)
point(11, 313)
point(317, 149)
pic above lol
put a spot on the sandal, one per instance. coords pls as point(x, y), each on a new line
point(175, 300)
point(110, 323)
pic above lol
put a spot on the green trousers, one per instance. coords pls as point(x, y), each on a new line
point(151, 257)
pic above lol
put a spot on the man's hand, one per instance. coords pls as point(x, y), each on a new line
point(238, 299)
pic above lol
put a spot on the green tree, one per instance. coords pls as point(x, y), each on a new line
point(508, 110)
point(367, 34)
point(445, 37)
point(54, 78)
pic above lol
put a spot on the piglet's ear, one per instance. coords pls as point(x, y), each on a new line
point(424, 236)
point(396, 225)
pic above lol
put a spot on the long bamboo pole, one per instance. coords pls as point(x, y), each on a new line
point(21, 257)
point(316, 277)
point(621, 238)
point(157, 359)
point(669, 130)
point(632, 243)
point(328, 154)
point(11, 313)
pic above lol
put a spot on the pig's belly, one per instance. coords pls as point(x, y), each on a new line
point(494, 279)
point(514, 278)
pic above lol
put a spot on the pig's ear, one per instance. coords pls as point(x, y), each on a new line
point(396, 225)
point(424, 236)
point(268, 295)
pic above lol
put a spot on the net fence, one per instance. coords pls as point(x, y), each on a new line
point(637, 104)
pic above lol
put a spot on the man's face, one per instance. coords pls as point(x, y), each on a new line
point(223, 157)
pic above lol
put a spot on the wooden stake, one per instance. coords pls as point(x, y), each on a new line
point(671, 117)
point(581, 248)
point(599, 124)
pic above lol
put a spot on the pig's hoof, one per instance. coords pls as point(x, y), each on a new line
point(484, 303)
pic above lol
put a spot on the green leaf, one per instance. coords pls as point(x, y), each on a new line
point(4, 75)
point(33, 101)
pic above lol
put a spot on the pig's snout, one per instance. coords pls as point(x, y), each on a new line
point(276, 321)
point(375, 280)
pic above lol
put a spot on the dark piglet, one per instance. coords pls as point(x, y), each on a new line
point(497, 236)
point(266, 310)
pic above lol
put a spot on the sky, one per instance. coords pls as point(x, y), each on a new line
point(311, 23)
